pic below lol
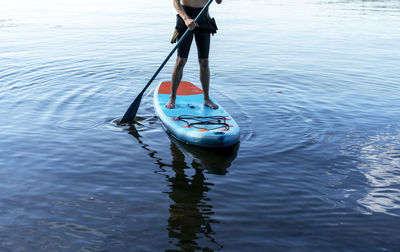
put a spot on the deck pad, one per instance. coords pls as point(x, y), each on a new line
point(191, 121)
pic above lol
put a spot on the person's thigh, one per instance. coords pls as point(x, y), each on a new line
point(184, 47)
point(203, 43)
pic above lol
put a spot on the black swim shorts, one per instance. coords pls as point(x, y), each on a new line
point(201, 33)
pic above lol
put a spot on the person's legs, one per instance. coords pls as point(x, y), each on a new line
point(205, 82)
point(203, 49)
point(177, 74)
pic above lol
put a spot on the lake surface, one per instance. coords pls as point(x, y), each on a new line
point(314, 86)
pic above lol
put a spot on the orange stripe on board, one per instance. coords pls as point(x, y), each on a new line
point(185, 88)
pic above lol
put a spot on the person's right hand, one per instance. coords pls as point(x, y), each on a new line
point(191, 24)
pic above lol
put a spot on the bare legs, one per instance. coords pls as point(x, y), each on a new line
point(204, 79)
point(176, 80)
point(205, 82)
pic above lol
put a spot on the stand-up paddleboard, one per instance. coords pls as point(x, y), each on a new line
point(191, 121)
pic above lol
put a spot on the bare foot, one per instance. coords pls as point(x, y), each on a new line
point(170, 104)
point(210, 104)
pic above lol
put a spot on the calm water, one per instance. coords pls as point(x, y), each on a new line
point(314, 86)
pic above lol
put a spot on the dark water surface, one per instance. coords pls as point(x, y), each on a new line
point(314, 86)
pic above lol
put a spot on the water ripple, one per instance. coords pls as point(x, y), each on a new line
point(78, 124)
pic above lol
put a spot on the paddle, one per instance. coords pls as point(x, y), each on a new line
point(133, 108)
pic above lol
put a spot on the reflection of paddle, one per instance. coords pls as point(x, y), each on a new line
point(133, 108)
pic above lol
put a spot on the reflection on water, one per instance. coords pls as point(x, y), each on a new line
point(381, 166)
point(214, 161)
point(191, 212)
point(190, 222)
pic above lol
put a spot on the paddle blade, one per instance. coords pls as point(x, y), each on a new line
point(130, 114)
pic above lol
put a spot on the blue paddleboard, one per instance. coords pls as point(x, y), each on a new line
point(191, 121)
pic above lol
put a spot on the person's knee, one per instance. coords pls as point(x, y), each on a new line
point(180, 62)
point(203, 63)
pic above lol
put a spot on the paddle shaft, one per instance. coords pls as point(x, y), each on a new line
point(132, 110)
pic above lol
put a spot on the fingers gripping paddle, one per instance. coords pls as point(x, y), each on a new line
point(133, 108)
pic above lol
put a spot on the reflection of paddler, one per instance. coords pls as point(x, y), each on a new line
point(190, 212)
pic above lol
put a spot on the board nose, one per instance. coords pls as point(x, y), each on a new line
point(185, 88)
